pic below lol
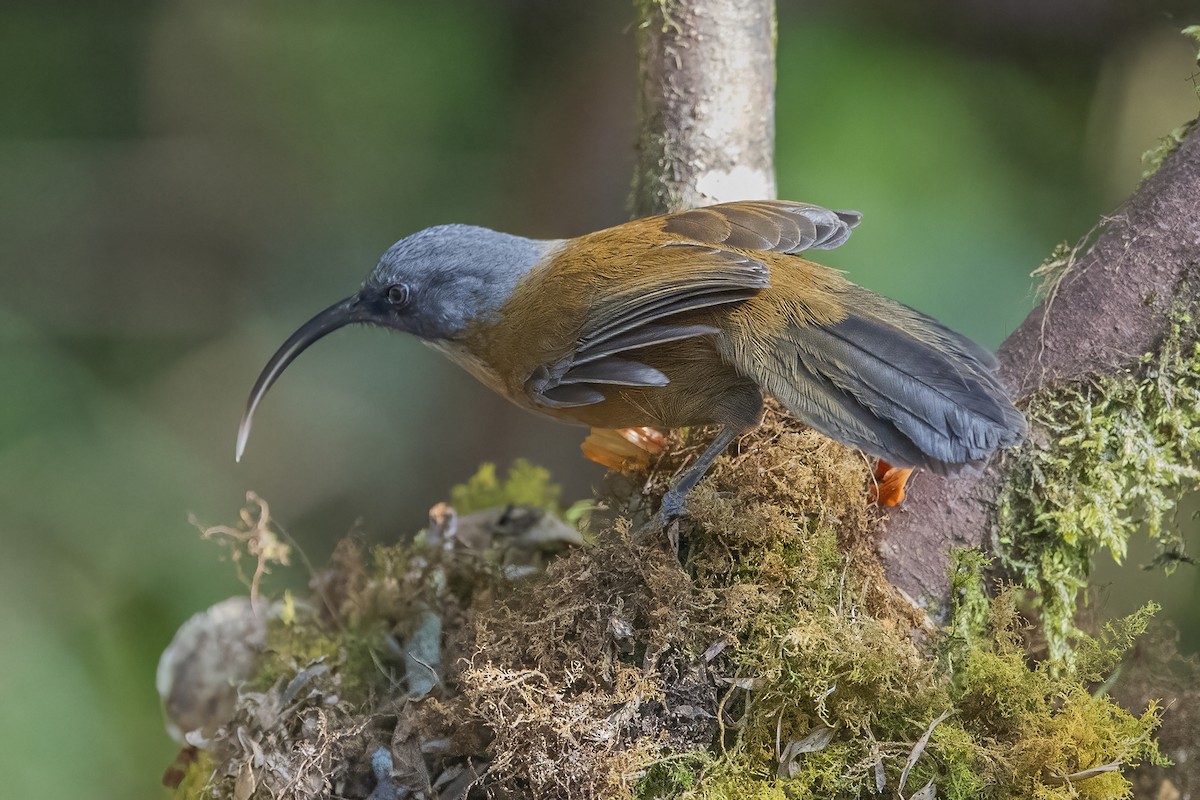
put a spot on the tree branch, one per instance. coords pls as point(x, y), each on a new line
point(706, 103)
point(1107, 309)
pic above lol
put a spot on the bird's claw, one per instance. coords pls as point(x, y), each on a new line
point(670, 511)
point(673, 507)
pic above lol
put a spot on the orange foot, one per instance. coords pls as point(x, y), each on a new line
point(889, 484)
point(623, 449)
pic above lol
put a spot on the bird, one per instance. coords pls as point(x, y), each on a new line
point(683, 319)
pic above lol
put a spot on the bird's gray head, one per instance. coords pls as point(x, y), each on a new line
point(431, 284)
point(435, 282)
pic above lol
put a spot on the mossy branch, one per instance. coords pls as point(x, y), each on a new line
point(1108, 319)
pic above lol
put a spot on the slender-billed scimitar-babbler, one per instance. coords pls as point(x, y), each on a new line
point(686, 319)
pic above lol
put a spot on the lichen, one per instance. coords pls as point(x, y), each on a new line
point(1106, 457)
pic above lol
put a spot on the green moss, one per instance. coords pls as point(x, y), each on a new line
point(196, 783)
point(734, 785)
point(829, 772)
point(816, 650)
point(1017, 729)
point(525, 484)
point(962, 759)
point(352, 652)
point(1105, 459)
point(672, 776)
point(969, 594)
point(1052, 270)
point(1030, 729)
point(291, 647)
point(1097, 657)
point(1153, 158)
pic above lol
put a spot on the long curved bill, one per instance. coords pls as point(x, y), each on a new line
point(338, 315)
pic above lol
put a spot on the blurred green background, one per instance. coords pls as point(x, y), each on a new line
point(185, 182)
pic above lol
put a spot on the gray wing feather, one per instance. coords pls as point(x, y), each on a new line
point(621, 371)
point(774, 226)
point(889, 391)
point(569, 396)
point(643, 336)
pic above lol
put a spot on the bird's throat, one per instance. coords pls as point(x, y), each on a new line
point(460, 355)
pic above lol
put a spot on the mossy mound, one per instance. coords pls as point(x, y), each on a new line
point(754, 651)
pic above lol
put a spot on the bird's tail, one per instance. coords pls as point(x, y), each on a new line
point(893, 382)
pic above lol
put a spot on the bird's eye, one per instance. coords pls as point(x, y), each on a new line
point(397, 294)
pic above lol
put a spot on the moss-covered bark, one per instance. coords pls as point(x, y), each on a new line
point(1106, 458)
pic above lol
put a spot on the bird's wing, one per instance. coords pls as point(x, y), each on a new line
point(703, 258)
point(651, 308)
point(769, 225)
point(876, 374)
point(894, 383)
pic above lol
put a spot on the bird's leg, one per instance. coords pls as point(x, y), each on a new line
point(674, 502)
point(741, 408)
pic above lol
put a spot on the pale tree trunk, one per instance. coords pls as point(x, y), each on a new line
point(706, 103)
